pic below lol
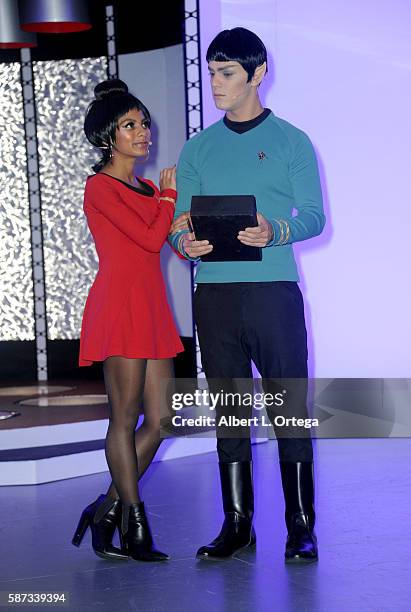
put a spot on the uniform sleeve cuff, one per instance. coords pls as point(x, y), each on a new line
point(281, 232)
point(169, 193)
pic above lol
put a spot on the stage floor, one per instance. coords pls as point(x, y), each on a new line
point(363, 514)
point(41, 407)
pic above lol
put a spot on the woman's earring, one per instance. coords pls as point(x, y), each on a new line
point(148, 151)
point(110, 152)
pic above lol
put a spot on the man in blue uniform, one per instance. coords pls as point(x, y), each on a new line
point(253, 310)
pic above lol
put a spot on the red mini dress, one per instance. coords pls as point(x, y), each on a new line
point(127, 312)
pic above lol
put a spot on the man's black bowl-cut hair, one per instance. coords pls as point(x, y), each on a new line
point(238, 45)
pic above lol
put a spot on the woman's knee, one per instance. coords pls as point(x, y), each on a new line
point(125, 417)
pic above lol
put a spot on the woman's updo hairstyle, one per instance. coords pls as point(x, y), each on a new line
point(111, 101)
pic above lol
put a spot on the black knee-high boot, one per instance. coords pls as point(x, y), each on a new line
point(103, 517)
point(298, 486)
point(238, 501)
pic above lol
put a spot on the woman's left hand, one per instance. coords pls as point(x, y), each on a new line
point(168, 178)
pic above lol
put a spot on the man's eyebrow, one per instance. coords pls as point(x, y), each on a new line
point(223, 68)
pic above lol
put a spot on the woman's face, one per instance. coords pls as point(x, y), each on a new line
point(132, 134)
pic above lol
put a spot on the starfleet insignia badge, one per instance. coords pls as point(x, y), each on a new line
point(262, 156)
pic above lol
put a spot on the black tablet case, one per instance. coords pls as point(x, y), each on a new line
point(218, 219)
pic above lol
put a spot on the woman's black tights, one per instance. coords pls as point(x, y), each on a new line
point(133, 386)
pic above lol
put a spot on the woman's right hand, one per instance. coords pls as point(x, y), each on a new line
point(168, 178)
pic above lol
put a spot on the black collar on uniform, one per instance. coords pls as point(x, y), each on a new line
point(146, 190)
point(243, 126)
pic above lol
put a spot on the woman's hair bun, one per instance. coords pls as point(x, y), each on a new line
point(111, 87)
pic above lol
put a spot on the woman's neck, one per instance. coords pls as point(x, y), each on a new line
point(122, 171)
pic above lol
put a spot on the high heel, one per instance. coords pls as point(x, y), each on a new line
point(137, 537)
point(103, 517)
point(81, 528)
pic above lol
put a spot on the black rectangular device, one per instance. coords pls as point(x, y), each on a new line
point(218, 219)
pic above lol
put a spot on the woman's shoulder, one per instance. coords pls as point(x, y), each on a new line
point(103, 182)
point(106, 184)
point(99, 186)
point(95, 179)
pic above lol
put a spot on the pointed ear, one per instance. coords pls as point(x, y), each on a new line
point(259, 73)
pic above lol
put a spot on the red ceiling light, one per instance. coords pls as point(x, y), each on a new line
point(11, 36)
point(54, 16)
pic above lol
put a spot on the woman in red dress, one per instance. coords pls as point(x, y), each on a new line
point(127, 323)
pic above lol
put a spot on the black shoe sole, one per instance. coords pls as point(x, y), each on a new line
point(300, 560)
point(110, 556)
point(142, 560)
point(248, 547)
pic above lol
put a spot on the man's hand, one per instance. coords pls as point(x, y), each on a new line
point(180, 223)
point(257, 236)
point(195, 248)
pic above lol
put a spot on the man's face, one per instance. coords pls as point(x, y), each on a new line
point(229, 85)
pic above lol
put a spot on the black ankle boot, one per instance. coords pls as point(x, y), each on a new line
point(298, 487)
point(103, 517)
point(138, 540)
point(237, 531)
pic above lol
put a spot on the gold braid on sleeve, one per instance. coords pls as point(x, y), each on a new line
point(285, 232)
point(280, 223)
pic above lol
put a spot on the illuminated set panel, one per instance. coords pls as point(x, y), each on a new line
point(16, 283)
point(63, 91)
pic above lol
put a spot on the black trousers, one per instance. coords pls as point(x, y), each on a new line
point(263, 322)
